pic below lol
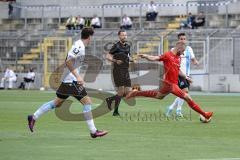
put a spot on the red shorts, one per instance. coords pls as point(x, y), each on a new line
point(171, 88)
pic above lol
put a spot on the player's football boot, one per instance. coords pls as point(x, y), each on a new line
point(179, 113)
point(116, 114)
point(208, 115)
point(31, 122)
point(98, 134)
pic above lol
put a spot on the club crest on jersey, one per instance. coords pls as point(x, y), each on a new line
point(76, 51)
point(182, 83)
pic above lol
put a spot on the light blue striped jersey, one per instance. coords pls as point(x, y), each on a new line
point(186, 60)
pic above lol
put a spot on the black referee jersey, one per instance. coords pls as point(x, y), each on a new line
point(121, 52)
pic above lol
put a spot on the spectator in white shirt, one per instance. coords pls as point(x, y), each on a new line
point(152, 12)
point(10, 77)
point(95, 22)
point(126, 23)
point(28, 79)
point(80, 22)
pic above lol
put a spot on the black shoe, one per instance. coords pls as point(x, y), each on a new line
point(109, 103)
point(31, 122)
point(116, 114)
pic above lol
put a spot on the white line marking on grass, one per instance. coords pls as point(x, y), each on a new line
point(218, 159)
point(214, 94)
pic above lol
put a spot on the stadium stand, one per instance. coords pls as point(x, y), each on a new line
point(26, 39)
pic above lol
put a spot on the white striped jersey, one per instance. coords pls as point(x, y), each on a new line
point(77, 52)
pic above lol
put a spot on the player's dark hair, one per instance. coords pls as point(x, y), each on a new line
point(87, 32)
point(120, 31)
point(181, 34)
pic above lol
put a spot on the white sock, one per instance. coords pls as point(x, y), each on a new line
point(2, 83)
point(44, 109)
point(89, 118)
point(174, 104)
point(180, 102)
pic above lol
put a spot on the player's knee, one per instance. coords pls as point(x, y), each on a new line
point(120, 93)
point(159, 97)
point(187, 97)
point(86, 100)
point(58, 102)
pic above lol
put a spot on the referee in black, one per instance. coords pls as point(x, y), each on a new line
point(119, 55)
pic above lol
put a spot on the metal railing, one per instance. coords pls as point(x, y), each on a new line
point(216, 49)
point(208, 6)
point(122, 6)
point(46, 11)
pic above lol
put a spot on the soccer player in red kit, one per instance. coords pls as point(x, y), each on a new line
point(171, 61)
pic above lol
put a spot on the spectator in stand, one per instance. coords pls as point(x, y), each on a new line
point(10, 8)
point(87, 22)
point(126, 23)
point(188, 23)
point(10, 77)
point(80, 22)
point(199, 21)
point(71, 22)
point(28, 79)
point(95, 22)
point(152, 12)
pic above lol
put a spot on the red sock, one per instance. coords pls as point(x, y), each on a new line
point(150, 93)
point(195, 107)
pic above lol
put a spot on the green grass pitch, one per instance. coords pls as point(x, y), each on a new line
point(128, 139)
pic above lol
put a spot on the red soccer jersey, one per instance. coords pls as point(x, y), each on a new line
point(171, 64)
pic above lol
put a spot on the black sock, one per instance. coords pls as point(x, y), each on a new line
point(112, 98)
point(117, 102)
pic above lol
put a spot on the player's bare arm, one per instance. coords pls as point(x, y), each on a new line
point(69, 63)
point(133, 59)
point(185, 76)
point(194, 61)
point(149, 58)
point(110, 58)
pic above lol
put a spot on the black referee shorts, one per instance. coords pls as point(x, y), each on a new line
point(183, 83)
point(71, 89)
point(121, 77)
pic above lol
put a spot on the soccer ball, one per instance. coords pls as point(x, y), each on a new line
point(204, 120)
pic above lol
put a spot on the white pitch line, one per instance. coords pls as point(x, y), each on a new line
point(218, 159)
